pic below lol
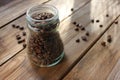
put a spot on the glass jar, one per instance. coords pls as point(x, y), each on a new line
point(45, 47)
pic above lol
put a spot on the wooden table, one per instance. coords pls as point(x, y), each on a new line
point(89, 59)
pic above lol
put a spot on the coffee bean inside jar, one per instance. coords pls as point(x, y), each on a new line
point(45, 47)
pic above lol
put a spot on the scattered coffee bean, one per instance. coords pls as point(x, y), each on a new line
point(78, 40)
point(107, 15)
point(97, 21)
point(18, 37)
point(24, 45)
point(17, 26)
point(21, 41)
point(76, 29)
point(116, 22)
point(24, 33)
point(21, 28)
point(72, 9)
point(84, 38)
point(92, 20)
point(87, 34)
point(109, 38)
point(77, 25)
point(83, 29)
point(103, 44)
point(74, 23)
point(100, 26)
point(13, 25)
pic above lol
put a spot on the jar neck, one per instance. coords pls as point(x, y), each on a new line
point(46, 25)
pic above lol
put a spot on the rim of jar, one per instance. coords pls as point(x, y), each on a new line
point(48, 6)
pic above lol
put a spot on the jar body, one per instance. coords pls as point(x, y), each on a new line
point(45, 47)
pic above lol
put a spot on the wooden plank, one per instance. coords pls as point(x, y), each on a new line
point(11, 9)
point(115, 74)
point(22, 70)
point(99, 61)
point(11, 43)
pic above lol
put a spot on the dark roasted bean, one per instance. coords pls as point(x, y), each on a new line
point(24, 45)
point(72, 9)
point(84, 38)
point(13, 25)
point(116, 22)
point(24, 33)
point(103, 44)
point(100, 26)
point(107, 15)
point(87, 34)
point(83, 29)
point(17, 26)
point(76, 29)
point(21, 28)
point(74, 23)
point(109, 38)
point(97, 21)
point(18, 37)
point(78, 40)
point(92, 20)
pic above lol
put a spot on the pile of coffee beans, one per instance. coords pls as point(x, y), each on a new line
point(19, 38)
point(45, 45)
point(44, 48)
point(40, 24)
point(42, 16)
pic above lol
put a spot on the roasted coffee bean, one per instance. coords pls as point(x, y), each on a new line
point(84, 38)
point(72, 9)
point(18, 37)
point(116, 22)
point(21, 41)
point(17, 26)
point(103, 44)
point(83, 29)
point(76, 29)
point(13, 25)
point(100, 26)
point(97, 21)
point(87, 34)
point(24, 33)
point(109, 38)
point(21, 28)
point(74, 23)
point(24, 45)
point(77, 25)
point(78, 40)
point(107, 15)
point(92, 20)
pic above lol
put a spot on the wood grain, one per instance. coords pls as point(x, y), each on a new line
point(21, 69)
point(115, 74)
point(8, 34)
point(99, 61)
point(11, 9)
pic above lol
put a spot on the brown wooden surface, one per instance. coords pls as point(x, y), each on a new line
point(98, 63)
point(91, 58)
point(8, 33)
point(11, 9)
